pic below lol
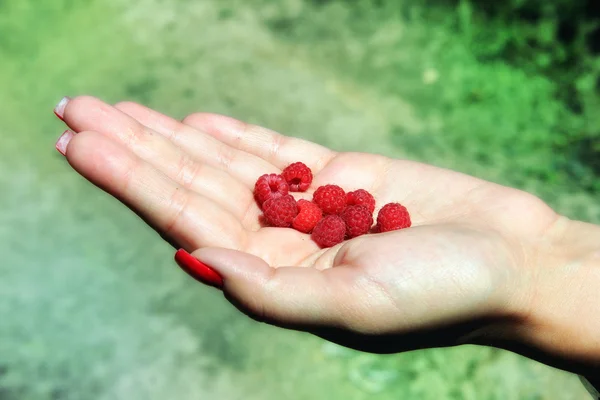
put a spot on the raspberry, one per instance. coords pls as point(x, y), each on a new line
point(281, 211)
point(309, 214)
point(330, 198)
point(361, 197)
point(298, 176)
point(270, 186)
point(358, 220)
point(329, 231)
point(393, 216)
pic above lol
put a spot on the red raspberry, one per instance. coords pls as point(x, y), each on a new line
point(361, 197)
point(329, 231)
point(330, 198)
point(281, 211)
point(393, 216)
point(270, 186)
point(308, 216)
point(298, 176)
point(358, 220)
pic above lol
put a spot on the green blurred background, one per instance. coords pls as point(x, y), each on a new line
point(91, 303)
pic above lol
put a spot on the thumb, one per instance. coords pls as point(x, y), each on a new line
point(291, 297)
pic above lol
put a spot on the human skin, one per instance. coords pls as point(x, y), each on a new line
point(482, 263)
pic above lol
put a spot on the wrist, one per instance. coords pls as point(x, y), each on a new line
point(563, 315)
point(555, 318)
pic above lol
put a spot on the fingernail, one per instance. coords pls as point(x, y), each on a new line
point(59, 110)
point(198, 269)
point(63, 142)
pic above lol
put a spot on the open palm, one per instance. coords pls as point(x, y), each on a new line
point(462, 260)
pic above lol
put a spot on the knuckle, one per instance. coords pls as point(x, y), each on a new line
point(226, 155)
point(263, 304)
point(187, 171)
point(178, 203)
point(276, 145)
point(128, 176)
point(192, 119)
point(126, 105)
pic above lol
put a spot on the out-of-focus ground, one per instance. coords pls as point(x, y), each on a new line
point(91, 304)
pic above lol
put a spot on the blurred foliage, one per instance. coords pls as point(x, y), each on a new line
point(561, 40)
point(519, 88)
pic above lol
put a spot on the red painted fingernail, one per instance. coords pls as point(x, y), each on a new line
point(63, 142)
point(198, 269)
point(59, 110)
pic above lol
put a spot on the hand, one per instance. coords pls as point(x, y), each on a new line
point(468, 263)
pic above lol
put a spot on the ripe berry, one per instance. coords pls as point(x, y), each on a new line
point(298, 176)
point(309, 214)
point(280, 211)
point(393, 216)
point(330, 198)
point(358, 220)
point(361, 197)
point(329, 231)
point(270, 186)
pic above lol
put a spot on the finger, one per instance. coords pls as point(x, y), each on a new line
point(202, 147)
point(271, 146)
point(185, 217)
point(291, 297)
point(88, 113)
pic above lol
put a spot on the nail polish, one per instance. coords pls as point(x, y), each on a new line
point(63, 142)
point(59, 110)
point(198, 269)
